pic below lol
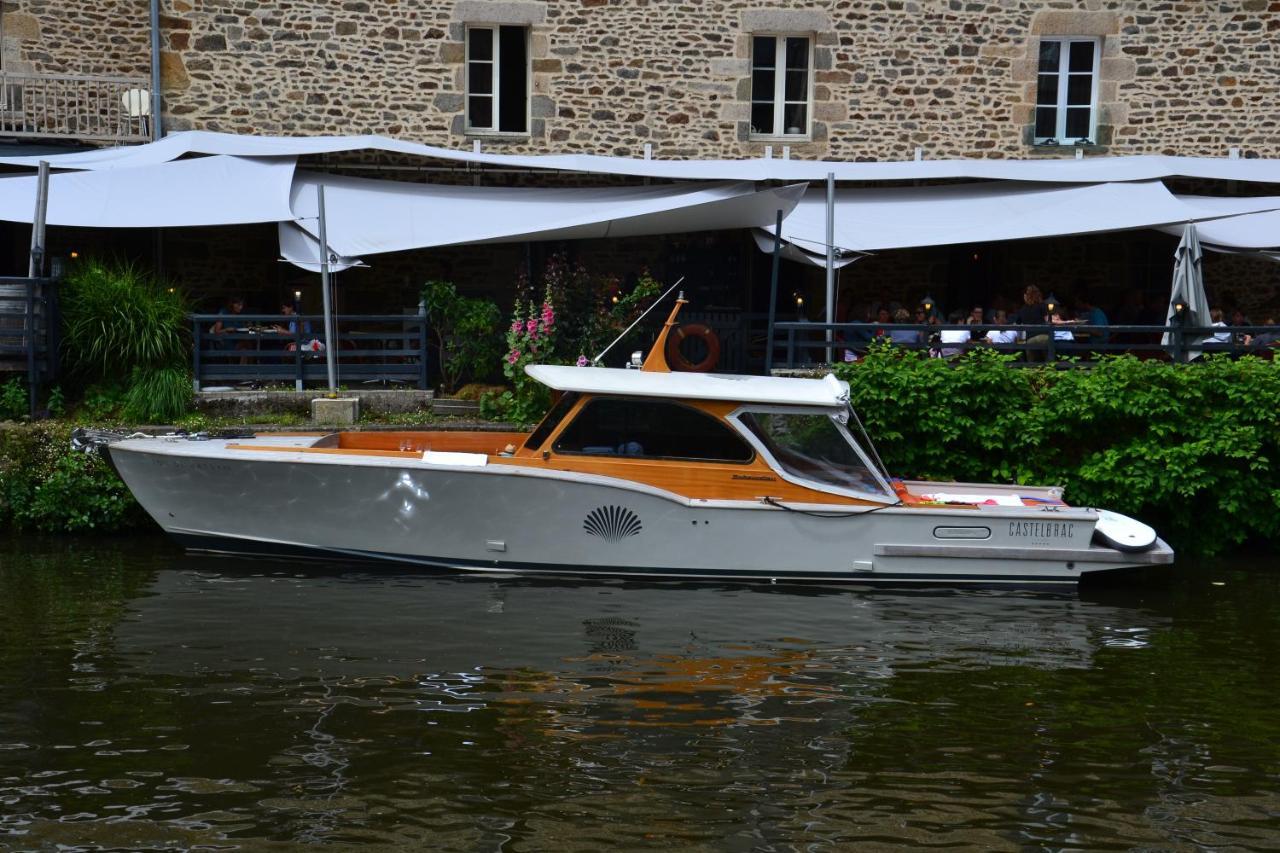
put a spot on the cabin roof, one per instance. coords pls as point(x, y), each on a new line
point(778, 390)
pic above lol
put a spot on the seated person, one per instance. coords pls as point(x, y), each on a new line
point(227, 320)
point(1221, 338)
point(954, 336)
point(287, 309)
point(905, 336)
point(998, 335)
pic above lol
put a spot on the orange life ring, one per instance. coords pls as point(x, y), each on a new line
point(676, 358)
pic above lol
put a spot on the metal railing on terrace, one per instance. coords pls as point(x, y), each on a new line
point(74, 106)
point(805, 344)
point(266, 350)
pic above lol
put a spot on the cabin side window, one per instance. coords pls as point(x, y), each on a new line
point(552, 420)
point(651, 429)
point(813, 447)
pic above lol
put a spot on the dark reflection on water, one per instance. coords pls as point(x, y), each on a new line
point(160, 701)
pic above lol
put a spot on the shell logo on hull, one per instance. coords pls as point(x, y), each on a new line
point(612, 523)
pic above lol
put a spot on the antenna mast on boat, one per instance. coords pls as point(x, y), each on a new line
point(595, 361)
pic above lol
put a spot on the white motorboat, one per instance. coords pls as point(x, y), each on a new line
point(635, 473)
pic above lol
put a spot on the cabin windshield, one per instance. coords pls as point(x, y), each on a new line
point(815, 447)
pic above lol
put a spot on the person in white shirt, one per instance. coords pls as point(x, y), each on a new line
point(1222, 337)
point(954, 336)
point(1001, 336)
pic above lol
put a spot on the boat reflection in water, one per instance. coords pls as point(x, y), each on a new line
point(234, 701)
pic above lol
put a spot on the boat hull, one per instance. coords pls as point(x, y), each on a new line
point(497, 518)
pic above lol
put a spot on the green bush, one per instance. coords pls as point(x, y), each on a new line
point(466, 334)
point(158, 395)
point(46, 486)
point(13, 400)
point(117, 318)
point(1191, 449)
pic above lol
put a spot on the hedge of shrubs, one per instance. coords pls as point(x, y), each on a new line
point(1191, 449)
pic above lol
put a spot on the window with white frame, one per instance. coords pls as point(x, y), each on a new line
point(1067, 91)
point(497, 82)
point(781, 85)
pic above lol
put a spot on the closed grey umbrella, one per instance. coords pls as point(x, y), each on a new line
point(1188, 288)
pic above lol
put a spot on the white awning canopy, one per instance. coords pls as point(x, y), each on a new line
point(1064, 170)
point(206, 191)
point(896, 218)
point(1259, 232)
point(367, 217)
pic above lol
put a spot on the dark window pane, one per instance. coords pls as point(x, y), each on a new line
point(551, 421)
point(797, 86)
point(1079, 90)
point(480, 112)
point(1046, 122)
point(1050, 55)
point(762, 85)
point(762, 118)
point(1081, 58)
point(480, 78)
point(642, 428)
point(798, 53)
point(513, 87)
point(1047, 90)
point(480, 44)
point(764, 52)
point(1078, 122)
point(797, 121)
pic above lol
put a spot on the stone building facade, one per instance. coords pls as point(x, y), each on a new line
point(956, 78)
point(677, 79)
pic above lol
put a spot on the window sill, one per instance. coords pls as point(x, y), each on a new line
point(772, 139)
point(498, 134)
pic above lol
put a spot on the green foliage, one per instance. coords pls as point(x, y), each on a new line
point(117, 318)
point(14, 404)
point(57, 403)
point(465, 330)
point(101, 403)
point(1191, 449)
point(158, 395)
point(46, 486)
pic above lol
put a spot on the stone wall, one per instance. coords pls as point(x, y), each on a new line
point(954, 78)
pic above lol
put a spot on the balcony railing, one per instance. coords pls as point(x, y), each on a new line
point(73, 106)
point(804, 344)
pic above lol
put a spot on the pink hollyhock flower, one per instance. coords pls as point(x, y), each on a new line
point(582, 361)
point(531, 326)
point(515, 326)
point(548, 314)
point(513, 356)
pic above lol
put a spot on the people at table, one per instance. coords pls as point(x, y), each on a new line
point(226, 321)
point(953, 336)
point(1222, 337)
point(291, 328)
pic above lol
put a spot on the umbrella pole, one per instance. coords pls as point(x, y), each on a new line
point(330, 356)
point(773, 294)
point(831, 259)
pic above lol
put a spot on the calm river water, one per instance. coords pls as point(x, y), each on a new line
point(153, 700)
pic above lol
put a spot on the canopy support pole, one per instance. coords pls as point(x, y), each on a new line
point(35, 268)
point(157, 125)
point(831, 259)
point(773, 294)
point(330, 357)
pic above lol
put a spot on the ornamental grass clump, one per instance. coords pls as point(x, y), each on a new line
point(123, 326)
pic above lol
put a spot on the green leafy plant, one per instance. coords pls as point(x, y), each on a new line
point(465, 332)
point(158, 394)
point(57, 403)
point(13, 400)
point(46, 486)
point(117, 317)
point(101, 402)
